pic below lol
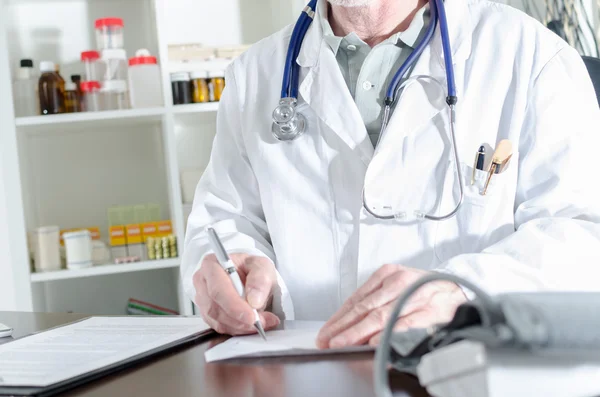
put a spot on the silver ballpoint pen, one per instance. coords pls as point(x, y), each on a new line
point(227, 264)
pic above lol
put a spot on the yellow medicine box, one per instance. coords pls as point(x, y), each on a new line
point(164, 228)
point(95, 232)
point(134, 234)
point(148, 230)
point(117, 235)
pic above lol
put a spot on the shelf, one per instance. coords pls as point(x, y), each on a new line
point(105, 270)
point(113, 116)
point(87, 117)
point(196, 108)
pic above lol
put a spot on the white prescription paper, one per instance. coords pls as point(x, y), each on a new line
point(298, 339)
point(63, 353)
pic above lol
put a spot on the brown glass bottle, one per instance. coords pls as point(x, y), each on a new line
point(51, 90)
point(76, 78)
point(71, 98)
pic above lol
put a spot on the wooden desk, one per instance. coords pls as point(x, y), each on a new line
point(185, 373)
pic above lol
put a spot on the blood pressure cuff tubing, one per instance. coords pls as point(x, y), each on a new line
point(526, 321)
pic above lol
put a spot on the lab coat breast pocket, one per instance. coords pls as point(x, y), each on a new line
point(482, 220)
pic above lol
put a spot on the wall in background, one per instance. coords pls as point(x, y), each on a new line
point(227, 22)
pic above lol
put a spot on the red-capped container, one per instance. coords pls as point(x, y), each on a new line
point(145, 89)
point(92, 96)
point(92, 64)
point(109, 33)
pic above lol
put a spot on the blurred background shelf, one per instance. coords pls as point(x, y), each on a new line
point(105, 270)
point(109, 117)
point(196, 108)
point(66, 170)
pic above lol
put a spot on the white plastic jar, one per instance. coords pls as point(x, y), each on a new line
point(78, 248)
point(109, 33)
point(46, 248)
point(145, 89)
point(114, 95)
point(92, 97)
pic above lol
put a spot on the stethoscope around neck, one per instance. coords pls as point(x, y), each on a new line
point(289, 124)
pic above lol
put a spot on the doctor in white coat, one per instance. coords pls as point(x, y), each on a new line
point(290, 214)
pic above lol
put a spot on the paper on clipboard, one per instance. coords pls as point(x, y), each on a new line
point(66, 352)
point(297, 339)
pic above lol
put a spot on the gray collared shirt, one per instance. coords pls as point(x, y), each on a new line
point(369, 71)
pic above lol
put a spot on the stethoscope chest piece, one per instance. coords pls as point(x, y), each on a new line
point(288, 124)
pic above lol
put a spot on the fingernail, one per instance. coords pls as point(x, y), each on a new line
point(255, 298)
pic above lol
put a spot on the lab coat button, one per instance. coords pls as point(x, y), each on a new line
point(367, 85)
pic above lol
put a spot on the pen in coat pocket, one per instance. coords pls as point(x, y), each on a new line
point(479, 162)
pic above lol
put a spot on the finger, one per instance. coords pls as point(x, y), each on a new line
point(220, 289)
point(260, 278)
point(269, 320)
point(210, 310)
point(361, 332)
point(379, 298)
point(355, 314)
point(224, 329)
point(420, 319)
point(373, 283)
point(376, 339)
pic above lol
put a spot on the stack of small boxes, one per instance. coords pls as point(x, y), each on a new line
point(162, 247)
point(137, 233)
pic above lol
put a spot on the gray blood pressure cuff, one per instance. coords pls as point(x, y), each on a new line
point(526, 321)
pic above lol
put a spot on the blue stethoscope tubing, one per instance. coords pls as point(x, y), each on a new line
point(292, 69)
point(438, 14)
point(288, 124)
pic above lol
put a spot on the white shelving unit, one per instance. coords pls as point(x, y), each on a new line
point(104, 270)
point(67, 169)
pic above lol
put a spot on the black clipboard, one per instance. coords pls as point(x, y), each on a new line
point(69, 384)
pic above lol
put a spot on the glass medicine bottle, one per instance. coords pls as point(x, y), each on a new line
point(72, 104)
point(51, 90)
point(201, 91)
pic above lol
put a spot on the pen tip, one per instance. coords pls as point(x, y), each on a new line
point(482, 148)
point(260, 330)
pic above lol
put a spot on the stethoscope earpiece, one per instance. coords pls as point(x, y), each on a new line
point(288, 124)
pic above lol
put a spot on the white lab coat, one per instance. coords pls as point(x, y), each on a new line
point(299, 203)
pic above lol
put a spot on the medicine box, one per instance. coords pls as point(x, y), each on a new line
point(148, 230)
point(164, 228)
point(135, 246)
point(117, 236)
point(133, 234)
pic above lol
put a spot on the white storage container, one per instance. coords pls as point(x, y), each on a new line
point(25, 90)
point(109, 33)
point(46, 247)
point(78, 247)
point(145, 89)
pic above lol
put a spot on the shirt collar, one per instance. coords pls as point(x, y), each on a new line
point(410, 37)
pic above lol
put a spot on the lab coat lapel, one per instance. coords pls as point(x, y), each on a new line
point(325, 91)
point(423, 100)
